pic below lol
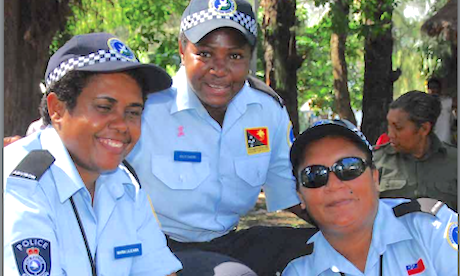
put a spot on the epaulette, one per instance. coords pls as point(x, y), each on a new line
point(425, 205)
point(309, 248)
point(132, 171)
point(256, 83)
point(34, 165)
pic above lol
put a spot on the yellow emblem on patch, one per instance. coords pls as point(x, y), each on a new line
point(452, 235)
point(257, 140)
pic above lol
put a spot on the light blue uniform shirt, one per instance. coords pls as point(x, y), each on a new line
point(216, 176)
point(41, 211)
point(413, 244)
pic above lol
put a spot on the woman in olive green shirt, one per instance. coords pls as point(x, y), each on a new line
point(415, 163)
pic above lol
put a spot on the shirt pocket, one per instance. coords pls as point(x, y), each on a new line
point(179, 175)
point(253, 169)
point(392, 184)
point(447, 187)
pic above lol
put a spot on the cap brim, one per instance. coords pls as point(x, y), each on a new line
point(316, 133)
point(155, 78)
point(196, 33)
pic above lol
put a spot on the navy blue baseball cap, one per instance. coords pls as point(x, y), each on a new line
point(102, 53)
point(325, 128)
point(204, 16)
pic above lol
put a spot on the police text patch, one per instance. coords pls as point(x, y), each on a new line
point(257, 140)
point(33, 257)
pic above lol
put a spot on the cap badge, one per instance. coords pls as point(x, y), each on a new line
point(223, 6)
point(121, 48)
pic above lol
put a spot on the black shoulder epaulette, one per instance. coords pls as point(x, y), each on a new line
point(425, 205)
point(256, 83)
point(34, 165)
point(132, 171)
point(309, 248)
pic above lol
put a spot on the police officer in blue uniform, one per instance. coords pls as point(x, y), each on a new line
point(360, 234)
point(213, 141)
point(72, 208)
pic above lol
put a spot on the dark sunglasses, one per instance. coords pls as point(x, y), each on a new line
point(345, 169)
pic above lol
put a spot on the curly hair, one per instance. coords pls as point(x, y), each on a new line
point(69, 87)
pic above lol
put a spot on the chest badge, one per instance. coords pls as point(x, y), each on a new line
point(416, 268)
point(257, 140)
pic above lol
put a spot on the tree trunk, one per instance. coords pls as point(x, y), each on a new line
point(378, 74)
point(339, 63)
point(280, 52)
point(29, 29)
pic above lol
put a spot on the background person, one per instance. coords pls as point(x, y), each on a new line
point(360, 234)
point(211, 142)
point(443, 126)
point(71, 207)
point(416, 163)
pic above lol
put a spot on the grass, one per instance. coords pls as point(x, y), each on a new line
point(260, 216)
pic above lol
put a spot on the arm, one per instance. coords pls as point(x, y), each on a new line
point(156, 258)
point(28, 224)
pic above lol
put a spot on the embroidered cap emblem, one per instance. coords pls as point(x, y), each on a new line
point(223, 6)
point(121, 48)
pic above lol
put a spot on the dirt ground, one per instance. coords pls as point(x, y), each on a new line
point(260, 216)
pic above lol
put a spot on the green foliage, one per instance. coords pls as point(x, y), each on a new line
point(315, 79)
point(150, 28)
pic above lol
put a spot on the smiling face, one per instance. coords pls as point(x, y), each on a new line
point(217, 66)
point(104, 125)
point(340, 206)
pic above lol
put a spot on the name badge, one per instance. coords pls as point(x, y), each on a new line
point(128, 251)
point(187, 156)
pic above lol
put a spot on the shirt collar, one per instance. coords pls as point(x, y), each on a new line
point(66, 176)
point(68, 180)
point(325, 257)
point(187, 99)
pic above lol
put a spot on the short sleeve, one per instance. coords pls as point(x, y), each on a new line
point(30, 242)
point(280, 188)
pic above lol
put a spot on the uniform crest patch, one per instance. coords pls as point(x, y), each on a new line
point(225, 7)
point(33, 257)
point(452, 235)
point(121, 48)
point(290, 134)
point(257, 140)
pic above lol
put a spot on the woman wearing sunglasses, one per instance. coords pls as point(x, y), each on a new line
point(360, 234)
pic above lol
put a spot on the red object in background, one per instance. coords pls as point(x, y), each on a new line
point(383, 139)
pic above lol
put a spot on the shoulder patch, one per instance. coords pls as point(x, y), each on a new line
point(452, 235)
point(34, 165)
point(33, 256)
point(132, 171)
point(424, 205)
point(256, 83)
